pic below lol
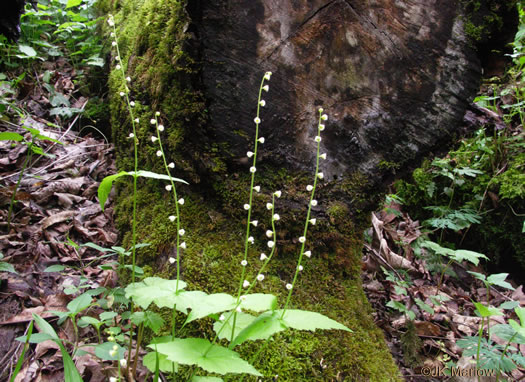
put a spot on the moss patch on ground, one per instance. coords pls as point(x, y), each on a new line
point(152, 42)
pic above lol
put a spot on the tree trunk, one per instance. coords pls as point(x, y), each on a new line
point(394, 77)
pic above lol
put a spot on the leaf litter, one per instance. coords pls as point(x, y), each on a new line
point(438, 328)
point(55, 205)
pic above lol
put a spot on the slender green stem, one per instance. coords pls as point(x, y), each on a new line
point(248, 218)
point(307, 221)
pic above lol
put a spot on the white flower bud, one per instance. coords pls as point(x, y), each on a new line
point(253, 169)
point(161, 127)
point(152, 121)
point(114, 43)
point(172, 218)
point(289, 286)
point(246, 207)
point(122, 94)
point(257, 188)
point(278, 193)
point(321, 110)
point(222, 317)
point(132, 104)
point(266, 88)
point(238, 309)
point(320, 175)
point(269, 206)
point(302, 239)
point(257, 120)
point(246, 284)
point(244, 263)
point(309, 187)
point(324, 117)
point(157, 113)
point(263, 257)
point(123, 362)
point(276, 217)
point(300, 268)
point(267, 76)
point(317, 139)
point(131, 135)
point(269, 233)
point(154, 139)
point(183, 245)
point(181, 201)
point(322, 156)
point(262, 103)
point(271, 244)
point(182, 232)
point(251, 240)
point(172, 260)
point(249, 154)
point(321, 127)
point(159, 153)
point(118, 67)
point(171, 165)
point(313, 221)
point(308, 254)
point(168, 187)
point(137, 120)
point(314, 203)
point(254, 223)
point(128, 79)
point(260, 277)
point(261, 139)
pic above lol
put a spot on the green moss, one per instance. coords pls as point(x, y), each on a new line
point(483, 18)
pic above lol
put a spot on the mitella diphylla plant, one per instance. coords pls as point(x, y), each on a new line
point(245, 316)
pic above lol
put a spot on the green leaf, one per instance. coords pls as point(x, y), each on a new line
point(212, 358)
point(154, 289)
point(206, 379)
point(499, 280)
point(6, 267)
point(150, 320)
point(305, 320)
point(87, 320)
point(36, 338)
point(27, 50)
point(24, 349)
point(224, 328)
point(71, 373)
point(73, 3)
point(487, 311)
point(103, 351)
point(44, 327)
point(520, 312)
point(263, 327)
point(107, 183)
point(471, 256)
point(105, 187)
point(10, 136)
point(80, 303)
point(55, 268)
point(96, 247)
point(209, 304)
point(509, 305)
point(259, 302)
point(427, 308)
point(165, 365)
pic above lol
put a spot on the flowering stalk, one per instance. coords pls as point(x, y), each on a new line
point(170, 187)
point(311, 203)
point(130, 104)
point(253, 169)
point(133, 136)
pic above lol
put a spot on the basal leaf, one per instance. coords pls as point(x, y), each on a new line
point(471, 256)
point(259, 302)
point(80, 303)
point(150, 320)
point(210, 304)
point(206, 379)
point(104, 351)
point(6, 267)
point(154, 289)
point(71, 373)
point(165, 365)
point(263, 327)
point(487, 311)
point(27, 50)
point(73, 3)
point(210, 357)
point(499, 280)
point(10, 136)
point(305, 320)
point(224, 328)
point(44, 327)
